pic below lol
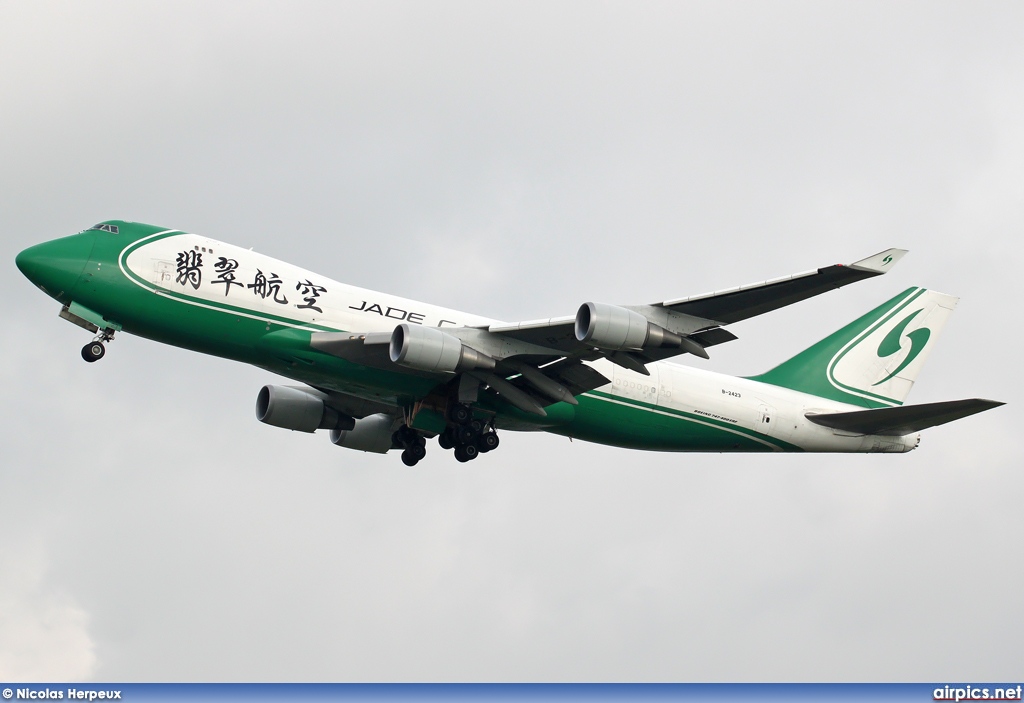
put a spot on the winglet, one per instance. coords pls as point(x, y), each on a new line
point(880, 262)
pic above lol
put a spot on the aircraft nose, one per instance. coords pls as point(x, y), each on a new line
point(56, 266)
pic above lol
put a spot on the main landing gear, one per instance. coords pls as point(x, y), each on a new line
point(94, 350)
point(415, 446)
point(468, 437)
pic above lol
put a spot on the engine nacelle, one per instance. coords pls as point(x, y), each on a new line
point(612, 327)
point(297, 409)
point(430, 349)
point(370, 434)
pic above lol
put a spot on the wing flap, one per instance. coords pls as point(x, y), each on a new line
point(903, 420)
point(707, 338)
point(576, 376)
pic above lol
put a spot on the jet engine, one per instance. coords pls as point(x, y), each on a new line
point(370, 434)
point(612, 327)
point(430, 349)
point(298, 409)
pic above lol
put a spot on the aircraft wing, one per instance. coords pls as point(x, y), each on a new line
point(735, 304)
point(529, 380)
point(698, 316)
point(533, 364)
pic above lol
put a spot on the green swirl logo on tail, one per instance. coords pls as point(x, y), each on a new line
point(893, 343)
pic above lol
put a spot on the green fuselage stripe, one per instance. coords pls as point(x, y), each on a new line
point(680, 415)
point(717, 425)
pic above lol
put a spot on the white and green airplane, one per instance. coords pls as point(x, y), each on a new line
point(382, 372)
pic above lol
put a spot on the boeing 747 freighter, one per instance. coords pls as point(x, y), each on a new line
point(383, 373)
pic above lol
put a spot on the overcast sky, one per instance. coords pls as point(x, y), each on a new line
point(512, 160)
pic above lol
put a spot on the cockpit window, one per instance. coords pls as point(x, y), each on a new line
point(105, 228)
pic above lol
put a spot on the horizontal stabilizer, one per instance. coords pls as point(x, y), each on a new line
point(903, 420)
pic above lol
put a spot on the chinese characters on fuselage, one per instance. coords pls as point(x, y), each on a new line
point(311, 293)
point(226, 273)
point(190, 265)
point(263, 286)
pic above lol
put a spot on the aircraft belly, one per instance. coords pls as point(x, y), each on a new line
point(605, 418)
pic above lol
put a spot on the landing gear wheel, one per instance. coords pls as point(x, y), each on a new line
point(476, 426)
point(487, 442)
point(466, 452)
point(461, 414)
point(464, 435)
point(444, 440)
point(417, 451)
point(410, 458)
point(93, 351)
point(405, 436)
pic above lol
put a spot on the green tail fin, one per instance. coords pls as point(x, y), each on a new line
point(873, 361)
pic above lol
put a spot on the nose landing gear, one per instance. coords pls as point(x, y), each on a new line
point(94, 350)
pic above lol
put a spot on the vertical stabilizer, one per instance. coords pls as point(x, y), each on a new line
point(873, 361)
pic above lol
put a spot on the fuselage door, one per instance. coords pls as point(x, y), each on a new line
point(773, 423)
point(163, 272)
